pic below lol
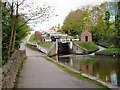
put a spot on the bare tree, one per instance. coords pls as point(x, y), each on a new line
point(30, 12)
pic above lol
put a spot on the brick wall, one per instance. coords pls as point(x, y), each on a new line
point(85, 33)
point(10, 69)
point(53, 51)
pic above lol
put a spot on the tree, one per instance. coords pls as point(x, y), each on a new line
point(41, 13)
point(76, 22)
point(22, 32)
point(107, 23)
point(117, 19)
point(15, 21)
point(0, 21)
point(5, 30)
point(117, 26)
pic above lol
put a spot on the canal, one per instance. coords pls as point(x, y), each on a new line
point(107, 69)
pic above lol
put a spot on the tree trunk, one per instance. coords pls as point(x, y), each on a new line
point(15, 28)
point(12, 29)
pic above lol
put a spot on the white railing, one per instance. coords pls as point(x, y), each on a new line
point(64, 40)
point(42, 49)
point(38, 47)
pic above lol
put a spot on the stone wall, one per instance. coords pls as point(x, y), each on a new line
point(74, 50)
point(10, 69)
point(54, 50)
point(78, 50)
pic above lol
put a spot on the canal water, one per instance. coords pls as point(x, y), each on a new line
point(107, 69)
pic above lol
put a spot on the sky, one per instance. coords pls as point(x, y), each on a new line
point(62, 8)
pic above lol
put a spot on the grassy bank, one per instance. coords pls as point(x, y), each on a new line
point(43, 44)
point(115, 50)
point(32, 38)
point(78, 75)
point(89, 46)
point(46, 44)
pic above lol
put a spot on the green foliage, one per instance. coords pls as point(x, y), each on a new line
point(5, 30)
point(8, 24)
point(89, 46)
point(76, 22)
point(117, 41)
point(95, 19)
point(117, 26)
point(107, 23)
point(22, 32)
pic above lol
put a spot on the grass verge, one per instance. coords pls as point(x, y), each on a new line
point(18, 74)
point(111, 50)
point(78, 75)
point(32, 38)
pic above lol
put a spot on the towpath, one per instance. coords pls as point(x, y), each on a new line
point(40, 73)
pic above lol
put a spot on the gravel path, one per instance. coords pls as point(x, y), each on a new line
point(40, 73)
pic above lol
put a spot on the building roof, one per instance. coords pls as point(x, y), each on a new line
point(85, 32)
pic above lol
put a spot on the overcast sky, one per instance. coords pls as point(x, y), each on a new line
point(62, 8)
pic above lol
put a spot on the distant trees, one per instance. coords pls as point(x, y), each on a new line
point(76, 21)
point(107, 23)
point(95, 19)
point(117, 26)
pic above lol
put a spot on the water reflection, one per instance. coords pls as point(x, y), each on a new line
point(106, 69)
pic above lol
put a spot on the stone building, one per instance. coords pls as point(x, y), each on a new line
point(85, 36)
point(38, 35)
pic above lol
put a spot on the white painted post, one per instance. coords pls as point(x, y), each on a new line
point(56, 46)
point(71, 44)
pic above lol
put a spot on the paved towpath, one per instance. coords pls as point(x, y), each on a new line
point(40, 73)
